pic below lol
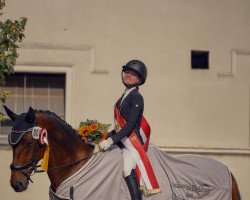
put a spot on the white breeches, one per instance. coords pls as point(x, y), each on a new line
point(129, 162)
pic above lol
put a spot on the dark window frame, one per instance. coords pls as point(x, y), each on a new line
point(61, 76)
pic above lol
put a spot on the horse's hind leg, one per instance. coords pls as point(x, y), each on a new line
point(235, 189)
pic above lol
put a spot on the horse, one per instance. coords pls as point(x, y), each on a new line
point(67, 153)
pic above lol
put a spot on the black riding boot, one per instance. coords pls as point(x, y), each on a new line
point(133, 186)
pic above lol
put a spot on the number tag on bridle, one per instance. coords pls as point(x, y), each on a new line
point(36, 132)
point(40, 134)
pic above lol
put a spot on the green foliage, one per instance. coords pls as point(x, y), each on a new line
point(2, 4)
point(11, 33)
point(4, 95)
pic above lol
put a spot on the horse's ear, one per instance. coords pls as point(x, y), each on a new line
point(30, 116)
point(11, 114)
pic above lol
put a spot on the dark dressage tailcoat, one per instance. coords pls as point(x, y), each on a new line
point(131, 109)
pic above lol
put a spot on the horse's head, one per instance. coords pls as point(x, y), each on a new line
point(27, 150)
point(30, 134)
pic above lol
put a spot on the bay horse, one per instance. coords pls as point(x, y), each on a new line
point(67, 153)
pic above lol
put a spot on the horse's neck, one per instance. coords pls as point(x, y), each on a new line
point(62, 154)
point(64, 148)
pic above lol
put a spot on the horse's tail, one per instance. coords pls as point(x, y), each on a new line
point(235, 189)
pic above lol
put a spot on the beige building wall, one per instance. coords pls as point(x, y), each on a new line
point(190, 111)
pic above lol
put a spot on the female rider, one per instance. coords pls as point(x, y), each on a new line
point(132, 134)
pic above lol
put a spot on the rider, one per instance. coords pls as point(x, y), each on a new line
point(128, 134)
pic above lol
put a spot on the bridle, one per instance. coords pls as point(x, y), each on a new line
point(33, 162)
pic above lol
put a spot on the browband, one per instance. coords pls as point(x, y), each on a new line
point(15, 136)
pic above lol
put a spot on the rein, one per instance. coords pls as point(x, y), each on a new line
point(33, 162)
point(73, 163)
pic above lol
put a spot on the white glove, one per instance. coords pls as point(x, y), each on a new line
point(105, 144)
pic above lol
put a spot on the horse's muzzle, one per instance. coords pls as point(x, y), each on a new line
point(18, 182)
point(19, 186)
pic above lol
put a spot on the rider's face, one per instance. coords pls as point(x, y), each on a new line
point(130, 77)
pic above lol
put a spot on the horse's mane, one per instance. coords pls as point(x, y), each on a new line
point(58, 118)
point(63, 122)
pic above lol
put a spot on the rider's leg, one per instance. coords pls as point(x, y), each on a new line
point(129, 162)
point(130, 176)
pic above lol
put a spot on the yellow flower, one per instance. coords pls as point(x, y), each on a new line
point(84, 130)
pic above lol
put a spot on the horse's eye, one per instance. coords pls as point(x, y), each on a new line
point(28, 144)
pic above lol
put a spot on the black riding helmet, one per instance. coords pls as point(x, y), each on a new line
point(139, 67)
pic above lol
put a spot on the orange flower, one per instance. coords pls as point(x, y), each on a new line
point(94, 127)
point(84, 139)
point(103, 137)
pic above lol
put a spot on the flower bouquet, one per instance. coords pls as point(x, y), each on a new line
point(92, 131)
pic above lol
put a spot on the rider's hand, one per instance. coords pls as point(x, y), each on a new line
point(105, 144)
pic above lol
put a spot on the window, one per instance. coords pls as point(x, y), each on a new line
point(199, 59)
point(40, 91)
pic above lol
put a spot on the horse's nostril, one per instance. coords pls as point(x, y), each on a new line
point(19, 184)
point(18, 187)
